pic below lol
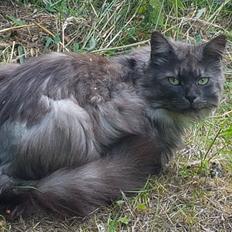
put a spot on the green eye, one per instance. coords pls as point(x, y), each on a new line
point(203, 81)
point(173, 81)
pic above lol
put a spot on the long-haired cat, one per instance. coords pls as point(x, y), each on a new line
point(76, 130)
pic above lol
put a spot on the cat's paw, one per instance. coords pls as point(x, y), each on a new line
point(11, 212)
point(17, 211)
point(6, 183)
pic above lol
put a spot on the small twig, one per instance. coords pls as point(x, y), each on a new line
point(214, 15)
point(44, 29)
point(95, 12)
point(12, 52)
point(129, 45)
point(71, 40)
point(212, 143)
point(107, 23)
point(50, 33)
point(63, 40)
point(198, 20)
point(2, 44)
point(121, 47)
point(223, 115)
point(16, 27)
point(127, 204)
point(107, 34)
point(121, 30)
point(216, 153)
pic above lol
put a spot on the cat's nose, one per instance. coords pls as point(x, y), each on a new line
point(191, 98)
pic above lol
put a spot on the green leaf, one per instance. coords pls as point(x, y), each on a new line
point(112, 225)
point(154, 12)
point(124, 220)
point(91, 44)
point(141, 207)
point(228, 133)
point(16, 21)
point(48, 41)
point(21, 53)
point(198, 39)
point(120, 202)
point(56, 39)
point(200, 12)
point(49, 6)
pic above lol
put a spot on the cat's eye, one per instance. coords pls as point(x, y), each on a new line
point(174, 81)
point(203, 81)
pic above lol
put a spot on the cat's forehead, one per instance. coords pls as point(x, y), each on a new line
point(187, 52)
point(188, 59)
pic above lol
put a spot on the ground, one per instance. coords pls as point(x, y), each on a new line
point(195, 192)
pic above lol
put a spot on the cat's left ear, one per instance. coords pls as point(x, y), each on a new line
point(215, 48)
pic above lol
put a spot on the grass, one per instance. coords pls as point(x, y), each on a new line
point(195, 194)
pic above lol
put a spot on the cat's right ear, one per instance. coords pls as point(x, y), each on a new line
point(160, 46)
point(215, 48)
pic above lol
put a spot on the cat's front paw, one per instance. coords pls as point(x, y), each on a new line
point(6, 184)
point(22, 209)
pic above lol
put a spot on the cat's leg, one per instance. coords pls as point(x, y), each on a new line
point(81, 190)
point(12, 203)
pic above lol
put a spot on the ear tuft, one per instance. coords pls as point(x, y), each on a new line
point(159, 44)
point(215, 47)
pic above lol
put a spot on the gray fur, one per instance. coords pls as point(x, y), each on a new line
point(76, 130)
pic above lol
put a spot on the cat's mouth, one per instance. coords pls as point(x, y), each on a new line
point(186, 108)
point(196, 112)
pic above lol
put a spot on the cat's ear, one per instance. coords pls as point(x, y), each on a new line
point(160, 46)
point(215, 48)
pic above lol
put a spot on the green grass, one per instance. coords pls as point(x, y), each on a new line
point(195, 194)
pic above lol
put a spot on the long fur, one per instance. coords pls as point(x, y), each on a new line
point(77, 130)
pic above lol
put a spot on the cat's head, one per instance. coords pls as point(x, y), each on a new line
point(185, 78)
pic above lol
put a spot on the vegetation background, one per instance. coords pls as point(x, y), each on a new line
point(195, 193)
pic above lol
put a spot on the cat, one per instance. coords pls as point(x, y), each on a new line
point(76, 130)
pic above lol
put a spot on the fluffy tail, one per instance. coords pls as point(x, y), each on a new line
point(81, 190)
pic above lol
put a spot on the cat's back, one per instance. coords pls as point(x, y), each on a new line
point(56, 70)
point(86, 78)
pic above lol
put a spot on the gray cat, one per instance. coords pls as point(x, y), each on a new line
point(76, 130)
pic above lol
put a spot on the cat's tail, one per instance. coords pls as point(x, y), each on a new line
point(81, 190)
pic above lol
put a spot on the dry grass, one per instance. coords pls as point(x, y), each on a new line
point(195, 193)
